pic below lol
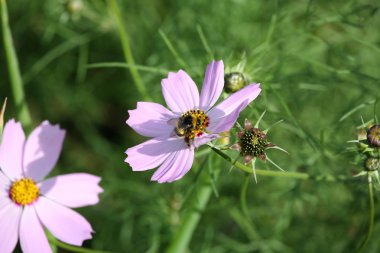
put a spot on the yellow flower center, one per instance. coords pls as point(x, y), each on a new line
point(192, 124)
point(24, 191)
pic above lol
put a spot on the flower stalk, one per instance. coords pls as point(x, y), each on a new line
point(192, 217)
point(72, 248)
point(371, 215)
point(282, 174)
point(14, 70)
point(115, 11)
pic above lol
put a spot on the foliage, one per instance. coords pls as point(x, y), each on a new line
point(317, 62)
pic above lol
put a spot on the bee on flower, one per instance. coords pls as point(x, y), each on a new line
point(191, 121)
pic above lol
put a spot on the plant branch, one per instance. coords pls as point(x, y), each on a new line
point(283, 174)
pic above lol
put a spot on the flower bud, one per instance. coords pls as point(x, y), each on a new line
point(372, 164)
point(362, 134)
point(373, 136)
point(74, 6)
point(234, 81)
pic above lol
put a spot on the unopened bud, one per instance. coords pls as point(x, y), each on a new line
point(373, 136)
point(372, 164)
point(234, 81)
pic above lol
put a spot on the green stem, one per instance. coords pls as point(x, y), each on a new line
point(127, 65)
point(75, 249)
point(115, 11)
point(283, 174)
point(14, 70)
point(243, 196)
point(371, 215)
point(191, 218)
point(2, 117)
point(204, 42)
point(174, 52)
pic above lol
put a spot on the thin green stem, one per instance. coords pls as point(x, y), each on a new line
point(129, 66)
point(174, 52)
point(2, 112)
point(74, 248)
point(14, 70)
point(54, 54)
point(82, 63)
point(243, 196)
point(191, 218)
point(371, 215)
point(204, 42)
point(283, 174)
point(115, 11)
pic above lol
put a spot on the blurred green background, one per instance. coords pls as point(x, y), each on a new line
point(318, 64)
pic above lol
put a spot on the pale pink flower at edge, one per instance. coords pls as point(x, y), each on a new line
point(28, 204)
point(166, 149)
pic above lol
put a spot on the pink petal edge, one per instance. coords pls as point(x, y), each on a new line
point(151, 119)
point(212, 85)
point(72, 190)
point(42, 150)
point(176, 166)
point(230, 104)
point(11, 149)
point(64, 223)
point(227, 122)
point(152, 153)
point(4, 188)
point(180, 92)
point(9, 219)
point(32, 235)
point(205, 138)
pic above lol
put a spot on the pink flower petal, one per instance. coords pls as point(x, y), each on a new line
point(212, 85)
point(151, 119)
point(152, 153)
point(231, 104)
point(32, 235)
point(72, 190)
point(175, 166)
point(4, 182)
point(225, 123)
point(64, 223)
point(205, 138)
point(4, 201)
point(180, 92)
point(4, 188)
point(186, 167)
point(11, 149)
point(42, 150)
point(9, 219)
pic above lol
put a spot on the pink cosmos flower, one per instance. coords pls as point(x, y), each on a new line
point(191, 121)
point(28, 204)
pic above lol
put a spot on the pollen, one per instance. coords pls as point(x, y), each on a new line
point(24, 191)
